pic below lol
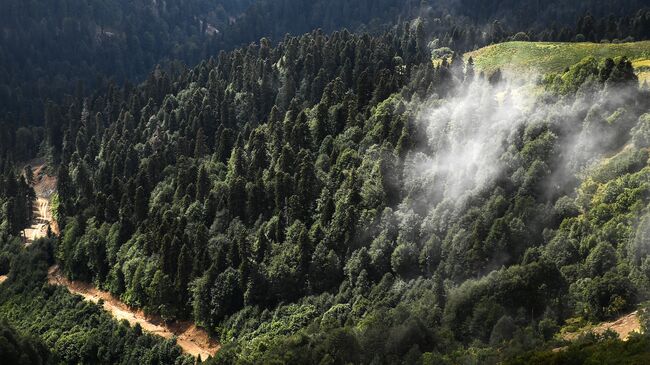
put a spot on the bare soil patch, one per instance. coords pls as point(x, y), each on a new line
point(624, 326)
point(44, 187)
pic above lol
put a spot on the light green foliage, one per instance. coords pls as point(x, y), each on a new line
point(549, 57)
point(641, 133)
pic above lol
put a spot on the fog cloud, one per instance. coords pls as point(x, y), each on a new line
point(467, 135)
point(474, 136)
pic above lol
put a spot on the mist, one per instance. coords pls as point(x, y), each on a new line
point(467, 135)
point(474, 139)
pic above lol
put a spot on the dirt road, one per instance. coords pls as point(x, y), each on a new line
point(191, 339)
point(3, 278)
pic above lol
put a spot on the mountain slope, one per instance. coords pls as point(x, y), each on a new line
point(309, 219)
point(339, 198)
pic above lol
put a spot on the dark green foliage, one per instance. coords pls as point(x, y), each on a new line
point(69, 330)
point(61, 51)
point(263, 206)
point(21, 350)
point(16, 197)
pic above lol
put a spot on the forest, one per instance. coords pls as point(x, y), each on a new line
point(324, 182)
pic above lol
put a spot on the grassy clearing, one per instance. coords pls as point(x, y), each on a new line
point(545, 57)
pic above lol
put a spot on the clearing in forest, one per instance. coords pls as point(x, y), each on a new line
point(624, 326)
point(547, 57)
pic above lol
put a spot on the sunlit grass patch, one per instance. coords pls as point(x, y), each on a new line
point(547, 57)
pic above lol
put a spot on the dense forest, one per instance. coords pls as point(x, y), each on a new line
point(227, 198)
point(332, 196)
point(18, 349)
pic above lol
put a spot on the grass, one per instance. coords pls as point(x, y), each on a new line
point(547, 57)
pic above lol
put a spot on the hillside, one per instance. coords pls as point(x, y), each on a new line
point(366, 211)
point(546, 57)
point(329, 197)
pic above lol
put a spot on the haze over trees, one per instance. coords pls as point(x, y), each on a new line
point(329, 197)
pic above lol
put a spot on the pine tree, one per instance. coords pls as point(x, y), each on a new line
point(202, 184)
point(141, 204)
point(200, 148)
point(469, 70)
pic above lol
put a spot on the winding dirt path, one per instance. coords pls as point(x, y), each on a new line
point(191, 339)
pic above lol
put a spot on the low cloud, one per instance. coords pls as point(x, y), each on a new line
point(471, 139)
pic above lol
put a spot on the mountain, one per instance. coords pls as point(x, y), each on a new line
point(60, 49)
point(52, 49)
